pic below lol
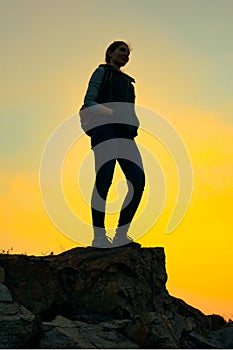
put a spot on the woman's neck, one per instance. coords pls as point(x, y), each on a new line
point(114, 65)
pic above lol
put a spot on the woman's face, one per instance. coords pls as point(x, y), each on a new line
point(120, 56)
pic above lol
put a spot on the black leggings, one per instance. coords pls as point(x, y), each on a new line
point(111, 143)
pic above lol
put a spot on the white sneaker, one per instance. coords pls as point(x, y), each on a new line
point(121, 239)
point(102, 242)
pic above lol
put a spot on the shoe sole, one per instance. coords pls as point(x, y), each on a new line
point(130, 244)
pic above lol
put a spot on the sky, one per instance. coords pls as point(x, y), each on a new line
point(182, 61)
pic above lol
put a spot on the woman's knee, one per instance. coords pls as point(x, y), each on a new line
point(137, 180)
point(102, 186)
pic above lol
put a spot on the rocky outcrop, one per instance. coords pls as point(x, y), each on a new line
point(118, 282)
point(99, 298)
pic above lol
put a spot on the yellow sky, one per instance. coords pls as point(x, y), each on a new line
point(182, 62)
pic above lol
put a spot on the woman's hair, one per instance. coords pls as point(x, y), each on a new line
point(112, 47)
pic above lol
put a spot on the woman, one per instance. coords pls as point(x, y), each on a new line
point(114, 136)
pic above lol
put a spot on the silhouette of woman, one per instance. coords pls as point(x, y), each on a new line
point(108, 85)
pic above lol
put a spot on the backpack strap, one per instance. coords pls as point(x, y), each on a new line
point(107, 80)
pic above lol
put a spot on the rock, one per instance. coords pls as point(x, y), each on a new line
point(5, 295)
point(2, 275)
point(152, 330)
point(118, 282)
point(18, 327)
point(216, 322)
point(179, 307)
point(197, 341)
point(62, 333)
point(203, 339)
point(100, 298)
point(223, 337)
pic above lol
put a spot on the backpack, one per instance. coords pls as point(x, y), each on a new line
point(86, 116)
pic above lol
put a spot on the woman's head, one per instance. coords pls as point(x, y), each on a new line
point(117, 53)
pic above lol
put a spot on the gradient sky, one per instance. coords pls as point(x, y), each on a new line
point(182, 60)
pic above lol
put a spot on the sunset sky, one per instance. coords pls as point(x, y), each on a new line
point(182, 61)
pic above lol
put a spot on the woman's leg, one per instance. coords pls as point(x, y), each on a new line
point(104, 168)
point(133, 169)
point(102, 184)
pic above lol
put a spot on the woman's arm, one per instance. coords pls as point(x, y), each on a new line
point(93, 91)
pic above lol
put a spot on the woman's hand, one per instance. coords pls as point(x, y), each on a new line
point(102, 110)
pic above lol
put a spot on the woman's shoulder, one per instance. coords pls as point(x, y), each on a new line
point(131, 79)
point(98, 73)
point(110, 67)
point(99, 69)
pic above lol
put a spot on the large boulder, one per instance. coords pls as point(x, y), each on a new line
point(118, 282)
point(18, 327)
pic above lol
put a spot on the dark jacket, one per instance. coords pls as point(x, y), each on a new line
point(107, 84)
